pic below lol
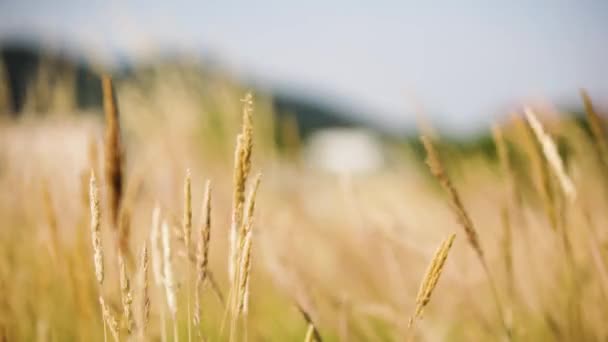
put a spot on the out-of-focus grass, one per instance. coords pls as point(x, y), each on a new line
point(350, 249)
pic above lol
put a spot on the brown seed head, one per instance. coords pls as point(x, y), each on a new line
point(113, 150)
point(432, 275)
point(437, 170)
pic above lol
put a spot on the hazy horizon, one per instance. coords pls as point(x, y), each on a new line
point(460, 64)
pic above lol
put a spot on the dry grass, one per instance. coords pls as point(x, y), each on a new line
point(349, 250)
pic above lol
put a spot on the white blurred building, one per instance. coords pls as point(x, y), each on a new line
point(344, 150)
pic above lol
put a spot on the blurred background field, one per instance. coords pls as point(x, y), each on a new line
point(348, 216)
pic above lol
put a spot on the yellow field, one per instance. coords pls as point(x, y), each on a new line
point(343, 256)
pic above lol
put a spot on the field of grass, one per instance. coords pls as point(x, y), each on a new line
point(144, 224)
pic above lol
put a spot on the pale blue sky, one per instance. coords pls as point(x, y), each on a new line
point(462, 61)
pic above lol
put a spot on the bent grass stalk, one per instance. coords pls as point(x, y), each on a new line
point(314, 334)
point(552, 155)
point(542, 179)
point(430, 280)
point(434, 163)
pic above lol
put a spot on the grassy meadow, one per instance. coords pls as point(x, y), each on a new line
point(184, 211)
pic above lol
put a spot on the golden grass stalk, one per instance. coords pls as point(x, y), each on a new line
point(552, 155)
point(309, 337)
point(155, 243)
point(109, 319)
point(51, 219)
point(465, 221)
point(247, 133)
point(597, 129)
point(168, 278)
point(239, 181)
point(202, 253)
point(240, 305)
point(249, 209)
point(242, 167)
point(504, 159)
point(96, 230)
point(145, 295)
point(507, 172)
point(433, 272)
point(187, 220)
point(599, 136)
point(507, 249)
point(124, 233)
point(186, 230)
point(245, 267)
point(245, 273)
point(97, 248)
point(157, 264)
point(126, 295)
point(542, 179)
point(316, 336)
point(434, 163)
point(113, 150)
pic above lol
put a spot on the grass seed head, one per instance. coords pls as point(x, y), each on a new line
point(95, 229)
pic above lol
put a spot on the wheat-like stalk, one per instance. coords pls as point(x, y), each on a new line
point(145, 295)
point(434, 163)
point(552, 155)
point(437, 170)
point(109, 319)
point(168, 278)
point(542, 178)
point(597, 128)
point(187, 220)
point(506, 168)
point(186, 231)
point(97, 247)
point(245, 273)
point(250, 207)
point(126, 295)
point(113, 150)
point(247, 132)
point(507, 249)
point(312, 333)
point(96, 230)
point(431, 277)
point(245, 267)
point(202, 252)
point(507, 172)
point(155, 243)
point(157, 264)
point(238, 199)
point(242, 167)
point(309, 337)
point(124, 233)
